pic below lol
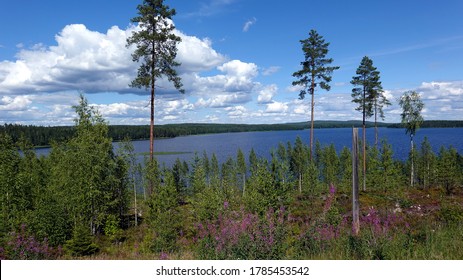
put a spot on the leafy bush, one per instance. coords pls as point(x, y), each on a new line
point(451, 214)
point(112, 229)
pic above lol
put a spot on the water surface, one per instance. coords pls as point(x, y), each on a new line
point(226, 145)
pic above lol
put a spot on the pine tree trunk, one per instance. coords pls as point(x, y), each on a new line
point(355, 183)
point(150, 190)
point(376, 128)
point(244, 183)
point(364, 141)
point(152, 124)
point(364, 156)
point(312, 119)
point(152, 105)
point(135, 201)
point(300, 182)
point(412, 173)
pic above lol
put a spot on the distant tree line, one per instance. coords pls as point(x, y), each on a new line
point(45, 135)
point(433, 124)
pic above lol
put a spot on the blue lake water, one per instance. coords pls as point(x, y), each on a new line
point(226, 145)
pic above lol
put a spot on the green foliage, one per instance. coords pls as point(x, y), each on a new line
point(345, 169)
point(411, 105)
point(9, 164)
point(207, 204)
point(315, 72)
point(451, 214)
point(368, 91)
point(152, 175)
point(241, 169)
point(314, 66)
point(426, 164)
point(311, 179)
point(280, 167)
point(330, 165)
point(128, 163)
point(81, 243)
point(199, 175)
point(214, 172)
point(262, 191)
point(86, 177)
point(388, 176)
point(49, 221)
point(299, 160)
point(333, 216)
point(81, 190)
point(449, 170)
point(230, 181)
point(164, 215)
point(112, 228)
point(156, 44)
point(180, 173)
point(253, 161)
point(374, 168)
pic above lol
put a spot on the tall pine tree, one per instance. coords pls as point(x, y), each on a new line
point(156, 47)
point(315, 72)
point(367, 93)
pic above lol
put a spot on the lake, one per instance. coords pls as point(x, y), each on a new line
point(225, 145)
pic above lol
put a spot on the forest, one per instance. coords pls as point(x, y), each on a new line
point(40, 136)
point(85, 201)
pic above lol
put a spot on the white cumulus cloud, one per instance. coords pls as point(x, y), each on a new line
point(91, 61)
point(42, 83)
point(276, 107)
point(196, 55)
point(267, 93)
point(16, 103)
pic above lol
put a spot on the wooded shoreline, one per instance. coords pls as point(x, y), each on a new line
point(43, 136)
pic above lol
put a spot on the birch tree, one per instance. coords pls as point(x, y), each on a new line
point(411, 105)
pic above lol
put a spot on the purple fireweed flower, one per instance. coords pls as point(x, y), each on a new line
point(332, 189)
point(234, 229)
point(330, 198)
point(24, 246)
point(380, 225)
point(163, 256)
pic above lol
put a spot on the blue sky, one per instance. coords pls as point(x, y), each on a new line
point(237, 59)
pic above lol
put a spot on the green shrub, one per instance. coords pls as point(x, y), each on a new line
point(112, 229)
point(81, 243)
point(451, 214)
